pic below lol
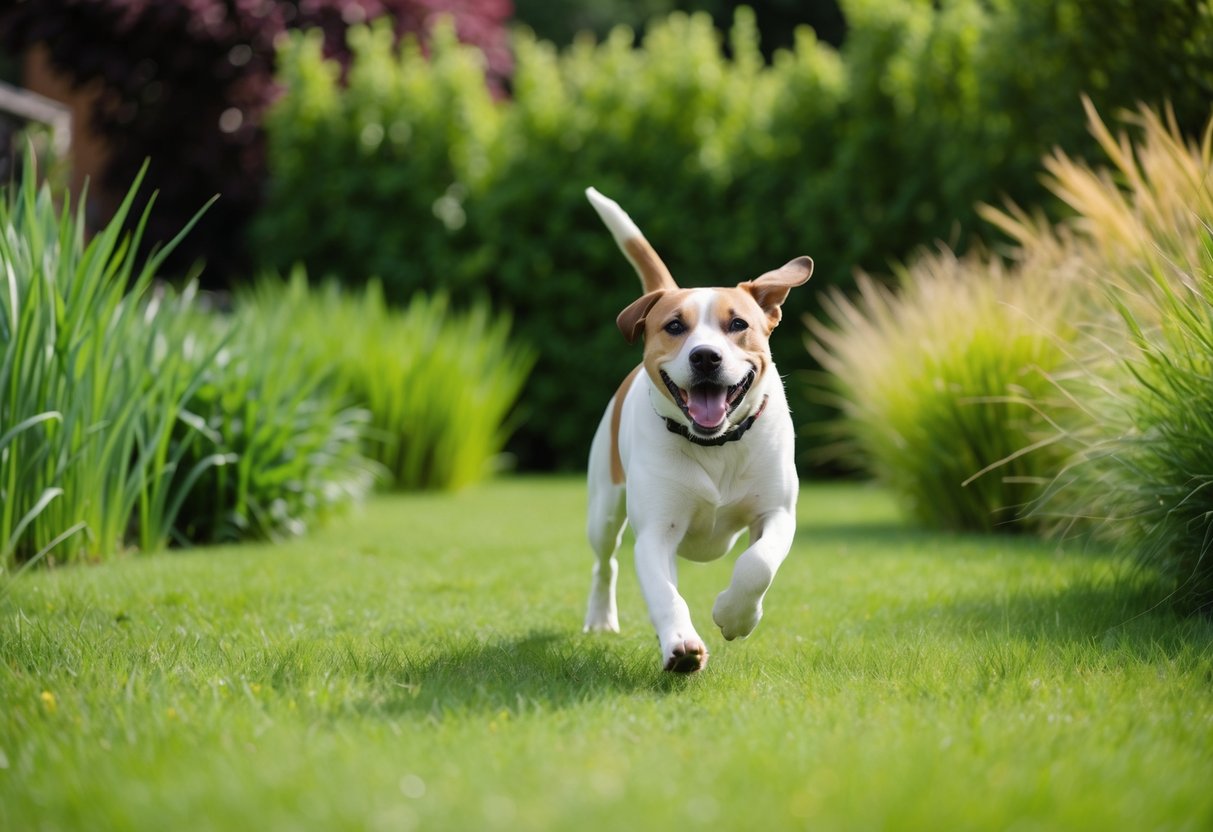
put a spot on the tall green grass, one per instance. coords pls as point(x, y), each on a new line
point(1100, 336)
point(438, 384)
point(1145, 472)
point(940, 384)
point(1139, 405)
point(88, 401)
point(291, 449)
point(131, 417)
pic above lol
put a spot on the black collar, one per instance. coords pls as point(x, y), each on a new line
point(733, 435)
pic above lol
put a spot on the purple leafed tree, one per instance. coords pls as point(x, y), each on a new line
point(185, 83)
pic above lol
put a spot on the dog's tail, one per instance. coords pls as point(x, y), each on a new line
point(653, 273)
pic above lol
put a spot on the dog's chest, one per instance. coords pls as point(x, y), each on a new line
point(716, 512)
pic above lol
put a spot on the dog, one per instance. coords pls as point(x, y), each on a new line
point(694, 448)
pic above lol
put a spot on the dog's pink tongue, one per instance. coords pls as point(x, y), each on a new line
point(707, 405)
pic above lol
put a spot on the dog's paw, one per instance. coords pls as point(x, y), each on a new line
point(601, 616)
point(736, 619)
point(687, 656)
point(601, 624)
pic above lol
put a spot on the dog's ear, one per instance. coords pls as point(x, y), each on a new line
point(631, 320)
point(771, 289)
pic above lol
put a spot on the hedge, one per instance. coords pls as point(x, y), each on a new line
point(730, 164)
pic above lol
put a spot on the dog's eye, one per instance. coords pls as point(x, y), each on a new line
point(737, 325)
point(675, 327)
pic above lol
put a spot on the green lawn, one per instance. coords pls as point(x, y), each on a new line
point(420, 665)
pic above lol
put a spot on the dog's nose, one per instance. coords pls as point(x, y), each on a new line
point(705, 359)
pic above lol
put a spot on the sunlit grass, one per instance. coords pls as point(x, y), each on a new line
point(421, 666)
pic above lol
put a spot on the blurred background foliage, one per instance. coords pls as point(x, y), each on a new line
point(561, 23)
point(185, 83)
point(447, 161)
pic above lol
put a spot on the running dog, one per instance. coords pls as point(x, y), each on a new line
point(695, 448)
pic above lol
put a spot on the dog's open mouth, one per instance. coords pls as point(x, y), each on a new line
point(708, 405)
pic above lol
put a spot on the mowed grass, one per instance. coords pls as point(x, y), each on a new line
point(420, 665)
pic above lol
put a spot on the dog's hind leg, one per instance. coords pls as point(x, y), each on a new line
point(606, 525)
point(606, 521)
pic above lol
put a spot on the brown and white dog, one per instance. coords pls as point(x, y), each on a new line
point(695, 448)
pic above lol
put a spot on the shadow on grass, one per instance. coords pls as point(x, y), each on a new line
point(898, 534)
point(1128, 614)
point(537, 671)
point(1124, 608)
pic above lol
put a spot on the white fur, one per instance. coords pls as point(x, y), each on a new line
point(617, 220)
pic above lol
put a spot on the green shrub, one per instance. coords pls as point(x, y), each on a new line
point(438, 386)
point(477, 197)
point(369, 178)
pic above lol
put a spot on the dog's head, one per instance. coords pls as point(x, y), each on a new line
point(707, 349)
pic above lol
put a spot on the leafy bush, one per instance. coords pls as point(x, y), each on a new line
point(728, 163)
point(438, 386)
point(187, 82)
point(399, 147)
point(458, 193)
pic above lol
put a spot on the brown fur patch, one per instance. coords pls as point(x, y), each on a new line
point(617, 474)
point(770, 290)
point(737, 303)
point(654, 275)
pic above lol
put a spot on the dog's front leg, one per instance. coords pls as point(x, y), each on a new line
point(682, 650)
point(738, 609)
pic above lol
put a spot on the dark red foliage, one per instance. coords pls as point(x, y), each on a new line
point(187, 83)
